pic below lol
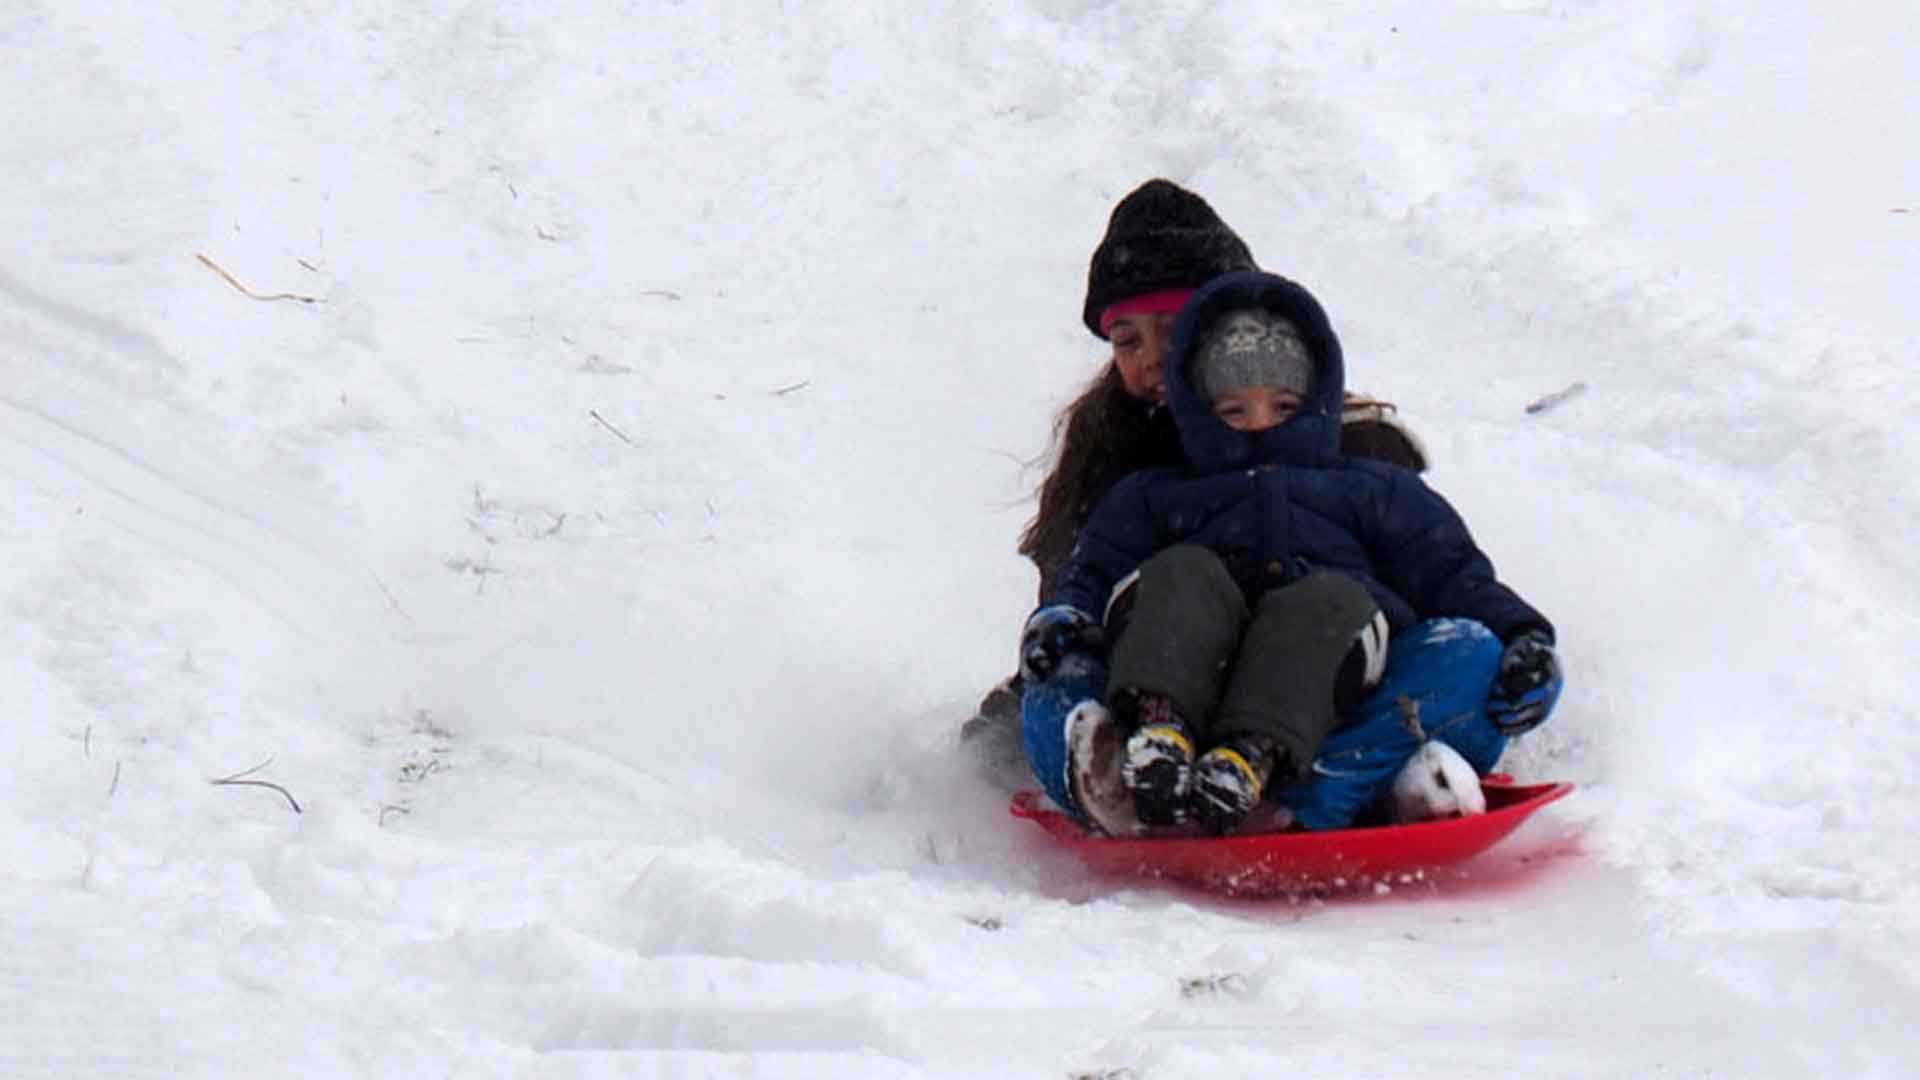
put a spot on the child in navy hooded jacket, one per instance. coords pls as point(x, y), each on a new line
point(1247, 598)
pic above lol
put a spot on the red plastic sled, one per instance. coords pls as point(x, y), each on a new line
point(1291, 863)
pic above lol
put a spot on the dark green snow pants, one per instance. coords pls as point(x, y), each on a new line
point(1186, 633)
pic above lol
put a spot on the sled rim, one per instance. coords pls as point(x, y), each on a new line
point(1271, 864)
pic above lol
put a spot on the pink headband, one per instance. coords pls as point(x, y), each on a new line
point(1164, 302)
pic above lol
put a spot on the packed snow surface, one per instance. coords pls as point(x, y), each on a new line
point(572, 452)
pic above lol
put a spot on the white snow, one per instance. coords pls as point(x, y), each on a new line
point(606, 557)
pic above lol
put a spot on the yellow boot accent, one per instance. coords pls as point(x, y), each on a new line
point(1239, 762)
point(1172, 733)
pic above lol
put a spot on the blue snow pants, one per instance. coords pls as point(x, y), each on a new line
point(1439, 671)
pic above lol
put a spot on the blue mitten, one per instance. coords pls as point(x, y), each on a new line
point(1053, 634)
point(1527, 684)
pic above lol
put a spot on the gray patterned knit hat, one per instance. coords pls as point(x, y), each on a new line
point(1252, 347)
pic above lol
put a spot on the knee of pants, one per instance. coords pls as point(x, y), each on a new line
point(1445, 667)
point(1187, 566)
point(1343, 623)
point(1180, 567)
point(1343, 599)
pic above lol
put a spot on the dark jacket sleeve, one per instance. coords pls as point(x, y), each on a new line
point(1118, 537)
point(1427, 555)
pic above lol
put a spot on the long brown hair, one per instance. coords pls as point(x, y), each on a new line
point(1099, 437)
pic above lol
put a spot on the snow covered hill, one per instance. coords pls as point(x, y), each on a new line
point(572, 452)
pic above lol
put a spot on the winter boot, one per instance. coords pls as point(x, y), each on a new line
point(1094, 786)
point(1436, 782)
point(1159, 762)
point(1229, 780)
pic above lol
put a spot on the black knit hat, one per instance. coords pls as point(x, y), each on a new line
point(1161, 236)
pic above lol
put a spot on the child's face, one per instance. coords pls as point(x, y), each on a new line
point(1256, 408)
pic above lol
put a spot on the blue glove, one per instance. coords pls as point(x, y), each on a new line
point(1527, 684)
point(1053, 634)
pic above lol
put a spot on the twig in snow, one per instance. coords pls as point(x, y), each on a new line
point(1230, 984)
point(244, 291)
point(1557, 398)
point(463, 565)
point(785, 390)
point(621, 435)
point(1410, 716)
point(239, 779)
point(664, 294)
point(413, 772)
point(115, 786)
point(86, 742)
point(392, 600)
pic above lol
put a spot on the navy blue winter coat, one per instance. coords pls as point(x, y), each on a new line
point(1278, 504)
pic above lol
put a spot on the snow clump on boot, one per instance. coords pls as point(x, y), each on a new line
point(1435, 783)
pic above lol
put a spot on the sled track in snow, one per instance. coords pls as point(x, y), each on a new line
point(72, 437)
